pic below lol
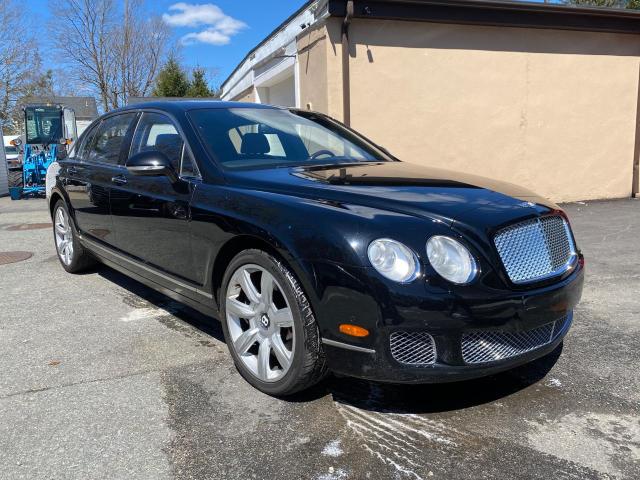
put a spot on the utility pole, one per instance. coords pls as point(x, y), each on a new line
point(125, 53)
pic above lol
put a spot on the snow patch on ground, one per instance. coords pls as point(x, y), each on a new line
point(554, 382)
point(143, 314)
point(332, 449)
point(333, 474)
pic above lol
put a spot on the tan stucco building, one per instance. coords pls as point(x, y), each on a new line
point(539, 95)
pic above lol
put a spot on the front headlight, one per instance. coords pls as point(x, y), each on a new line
point(393, 260)
point(451, 259)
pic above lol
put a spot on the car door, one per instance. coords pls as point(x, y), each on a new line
point(87, 176)
point(151, 213)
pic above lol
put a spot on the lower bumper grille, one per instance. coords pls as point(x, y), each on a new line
point(413, 348)
point(491, 346)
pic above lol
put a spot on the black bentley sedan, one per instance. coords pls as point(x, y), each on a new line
point(317, 249)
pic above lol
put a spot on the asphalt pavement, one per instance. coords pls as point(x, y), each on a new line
point(102, 378)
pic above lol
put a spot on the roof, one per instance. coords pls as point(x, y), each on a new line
point(85, 108)
point(134, 100)
point(185, 105)
point(506, 13)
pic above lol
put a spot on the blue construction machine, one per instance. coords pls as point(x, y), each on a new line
point(49, 130)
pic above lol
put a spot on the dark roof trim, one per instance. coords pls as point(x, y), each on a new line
point(498, 13)
point(138, 100)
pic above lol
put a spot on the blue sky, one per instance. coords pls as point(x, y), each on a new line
point(231, 30)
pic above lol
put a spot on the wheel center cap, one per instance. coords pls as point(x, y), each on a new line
point(264, 321)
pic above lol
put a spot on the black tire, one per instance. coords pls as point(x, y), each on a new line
point(15, 178)
point(81, 259)
point(308, 365)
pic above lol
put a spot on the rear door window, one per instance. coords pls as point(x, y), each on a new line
point(109, 137)
point(81, 148)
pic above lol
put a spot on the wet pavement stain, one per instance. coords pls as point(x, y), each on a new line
point(173, 315)
point(28, 226)
point(453, 444)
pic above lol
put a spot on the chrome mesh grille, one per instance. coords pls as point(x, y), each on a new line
point(536, 249)
point(413, 348)
point(490, 346)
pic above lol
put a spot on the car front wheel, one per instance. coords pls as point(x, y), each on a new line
point(269, 326)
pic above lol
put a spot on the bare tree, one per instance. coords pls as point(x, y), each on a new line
point(19, 62)
point(140, 48)
point(116, 51)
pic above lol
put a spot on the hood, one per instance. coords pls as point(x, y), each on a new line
point(401, 187)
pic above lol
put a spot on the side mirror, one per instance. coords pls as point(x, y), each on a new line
point(152, 164)
point(16, 142)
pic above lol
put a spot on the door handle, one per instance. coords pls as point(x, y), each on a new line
point(119, 180)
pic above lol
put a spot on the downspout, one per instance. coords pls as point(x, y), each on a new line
point(635, 187)
point(346, 82)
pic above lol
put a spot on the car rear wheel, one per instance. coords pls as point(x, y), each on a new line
point(269, 326)
point(72, 255)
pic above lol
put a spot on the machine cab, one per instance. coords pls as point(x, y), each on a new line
point(49, 130)
point(48, 125)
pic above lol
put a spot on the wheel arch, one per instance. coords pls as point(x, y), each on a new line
point(304, 273)
point(55, 197)
point(60, 194)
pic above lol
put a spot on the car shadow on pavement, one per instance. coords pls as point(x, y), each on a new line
point(182, 312)
point(363, 394)
point(431, 398)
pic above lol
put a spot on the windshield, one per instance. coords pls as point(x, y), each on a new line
point(44, 125)
point(10, 149)
point(261, 137)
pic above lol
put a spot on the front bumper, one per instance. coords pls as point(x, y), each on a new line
point(448, 320)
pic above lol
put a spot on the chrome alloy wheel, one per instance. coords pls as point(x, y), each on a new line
point(64, 236)
point(260, 323)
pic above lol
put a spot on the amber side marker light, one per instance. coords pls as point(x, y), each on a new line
point(353, 330)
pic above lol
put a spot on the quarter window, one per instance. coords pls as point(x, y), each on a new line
point(157, 132)
point(109, 138)
point(188, 168)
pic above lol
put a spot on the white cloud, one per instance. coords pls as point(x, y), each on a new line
point(210, 36)
point(220, 26)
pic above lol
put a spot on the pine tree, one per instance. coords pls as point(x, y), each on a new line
point(172, 80)
point(199, 86)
